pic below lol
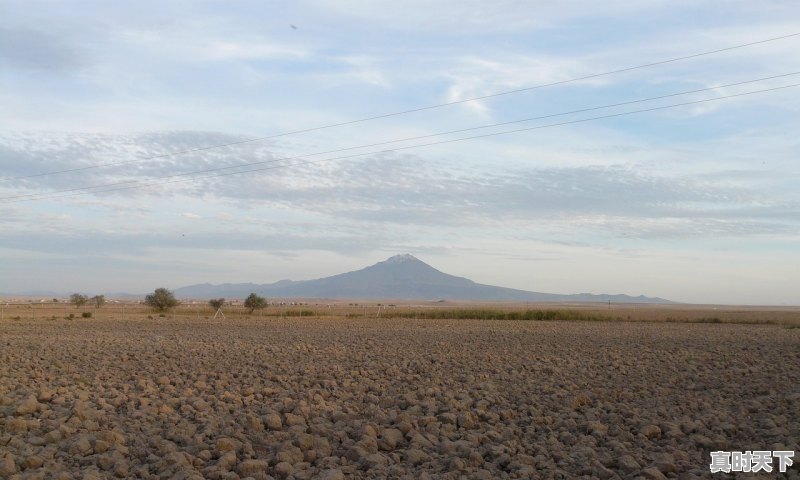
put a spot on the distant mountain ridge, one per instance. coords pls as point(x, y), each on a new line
point(401, 277)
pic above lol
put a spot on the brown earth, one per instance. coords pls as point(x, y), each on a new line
point(378, 398)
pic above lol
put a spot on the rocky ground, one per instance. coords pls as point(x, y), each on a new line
point(372, 398)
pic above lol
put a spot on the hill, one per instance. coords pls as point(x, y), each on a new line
point(401, 277)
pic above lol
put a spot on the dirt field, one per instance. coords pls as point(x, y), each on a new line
point(390, 398)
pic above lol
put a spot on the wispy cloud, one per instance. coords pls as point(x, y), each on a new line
point(410, 190)
point(649, 196)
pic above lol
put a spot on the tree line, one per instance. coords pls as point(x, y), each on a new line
point(80, 300)
point(163, 299)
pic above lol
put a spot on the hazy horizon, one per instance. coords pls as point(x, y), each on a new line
point(123, 294)
point(696, 204)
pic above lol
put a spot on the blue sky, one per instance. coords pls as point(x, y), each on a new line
point(697, 204)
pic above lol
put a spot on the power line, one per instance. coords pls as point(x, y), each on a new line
point(442, 142)
point(419, 137)
point(413, 110)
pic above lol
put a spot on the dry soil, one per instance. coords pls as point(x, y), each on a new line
point(372, 398)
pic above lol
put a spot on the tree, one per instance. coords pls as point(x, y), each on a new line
point(78, 299)
point(98, 300)
point(216, 303)
point(161, 299)
point(254, 302)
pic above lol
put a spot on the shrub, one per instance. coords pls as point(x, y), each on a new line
point(78, 299)
point(86, 314)
point(300, 313)
point(254, 302)
point(216, 303)
point(161, 300)
point(98, 300)
point(710, 320)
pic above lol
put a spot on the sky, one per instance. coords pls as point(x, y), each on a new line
point(100, 102)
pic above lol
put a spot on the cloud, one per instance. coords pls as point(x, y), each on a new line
point(684, 227)
point(358, 69)
point(410, 190)
point(254, 50)
point(442, 17)
point(109, 83)
point(476, 17)
point(30, 49)
point(475, 76)
point(132, 243)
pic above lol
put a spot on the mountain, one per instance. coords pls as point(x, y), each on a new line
point(401, 277)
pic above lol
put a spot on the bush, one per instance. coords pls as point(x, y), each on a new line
point(98, 300)
point(86, 314)
point(161, 300)
point(216, 303)
point(78, 299)
point(254, 302)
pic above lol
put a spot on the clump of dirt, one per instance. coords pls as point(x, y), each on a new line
point(376, 398)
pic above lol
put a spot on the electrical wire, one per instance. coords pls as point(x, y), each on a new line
point(442, 142)
point(419, 137)
point(413, 110)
